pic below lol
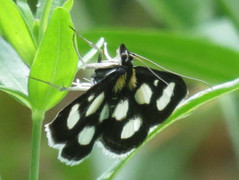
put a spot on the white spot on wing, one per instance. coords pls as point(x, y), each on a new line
point(95, 104)
point(91, 97)
point(121, 110)
point(156, 82)
point(143, 94)
point(86, 135)
point(131, 127)
point(163, 101)
point(73, 117)
point(60, 147)
point(104, 113)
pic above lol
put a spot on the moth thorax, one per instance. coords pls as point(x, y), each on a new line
point(120, 83)
point(133, 80)
point(126, 80)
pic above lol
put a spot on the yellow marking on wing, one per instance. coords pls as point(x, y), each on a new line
point(120, 83)
point(133, 80)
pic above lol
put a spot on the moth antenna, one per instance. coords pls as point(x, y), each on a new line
point(108, 57)
point(53, 85)
point(78, 85)
point(151, 70)
point(139, 57)
point(76, 47)
point(89, 43)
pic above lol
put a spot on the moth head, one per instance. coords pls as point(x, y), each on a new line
point(125, 56)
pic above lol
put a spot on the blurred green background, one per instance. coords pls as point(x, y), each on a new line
point(204, 145)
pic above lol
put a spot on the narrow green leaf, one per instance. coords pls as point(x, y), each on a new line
point(183, 14)
point(104, 7)
point(26, 12)
point(68, 4)
point(173, 156)
point(35, 31)
point(184, 109)
point(81, 15)
point(230, 107)
point(55, 62)
point(44, 17)
point(185, 55)
point(231, 8)
point(16, 31)
point(160, 11)
point(44, 12)
point(203, 97)
point(42, 4)
point(13, 73)
point(40, 8)
point(19, 96)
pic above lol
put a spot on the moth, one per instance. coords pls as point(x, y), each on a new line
point(117, 111)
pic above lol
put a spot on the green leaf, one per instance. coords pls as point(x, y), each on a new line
point(41, 5)
point(81, 15)
point(104, 8)
point(55, 62)
point(179, 14)
point(26, 12)
point(13, 73)
point(19, 96)
point(229, 105)
point(173, 156)
point(16, 30)
point(185, 55)
point(35, 30)
point(68, 4)
point(183, 110)
point(44, 12)
point(231, 8)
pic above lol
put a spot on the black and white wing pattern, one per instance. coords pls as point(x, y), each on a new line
point(134, 112)
point(76, 127)
point(118, 111)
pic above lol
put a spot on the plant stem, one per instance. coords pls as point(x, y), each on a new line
point(37, 118)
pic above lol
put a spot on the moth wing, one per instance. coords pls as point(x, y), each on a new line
point(76, 127)
point(135, 111)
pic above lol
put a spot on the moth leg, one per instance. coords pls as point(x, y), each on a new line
point(96, 48)
point(102, 65)
point(108, 63)
point(91, 53)
point(92, 45)
point(74, 40)
point(78, 86)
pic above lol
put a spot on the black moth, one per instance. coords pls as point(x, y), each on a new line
point(118, 111)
